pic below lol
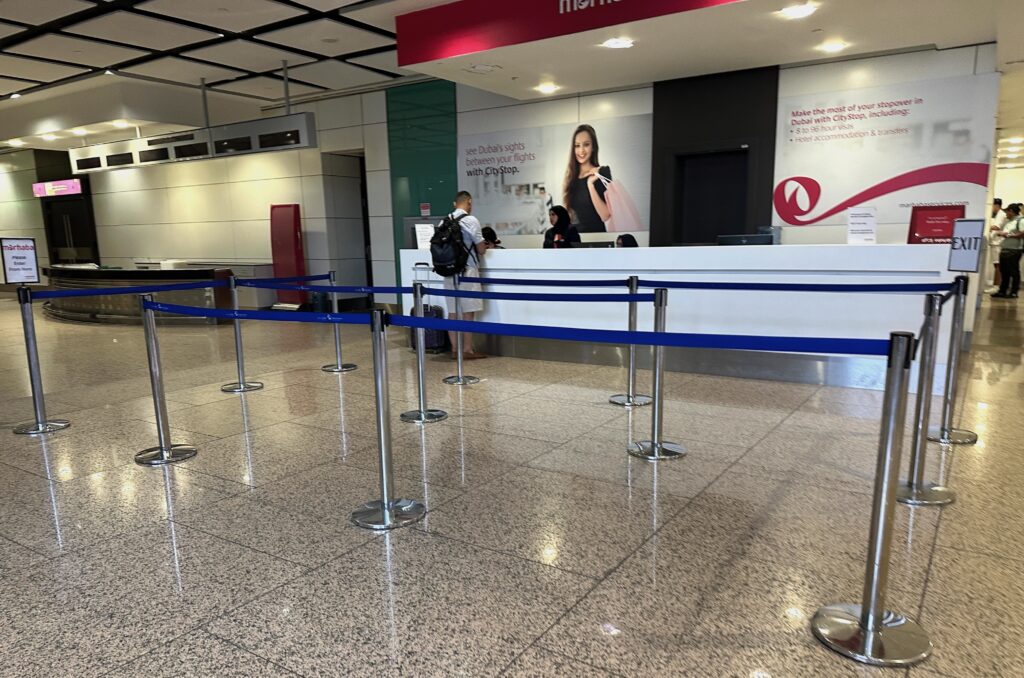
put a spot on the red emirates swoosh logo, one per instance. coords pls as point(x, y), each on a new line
point(797, 197)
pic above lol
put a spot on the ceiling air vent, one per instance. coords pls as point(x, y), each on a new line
point(282, 133)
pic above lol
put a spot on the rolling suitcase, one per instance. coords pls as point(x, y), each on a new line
point(436, 340)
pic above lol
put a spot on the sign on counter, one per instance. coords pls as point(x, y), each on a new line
point(19, 259)
point(861, 226)
point(424, 232)
point(965, 249)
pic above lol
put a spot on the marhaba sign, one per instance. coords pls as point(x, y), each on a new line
point(895, 147)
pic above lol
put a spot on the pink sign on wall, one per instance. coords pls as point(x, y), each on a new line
point(48, 189)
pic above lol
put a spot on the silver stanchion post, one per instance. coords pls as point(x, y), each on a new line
point(338, 365)
point(459, 378)
point(630, 398)
point(657, 449)
point(945, 433)
point(166, 452)
point(915, 491)
point(28, 323)
point(424, 415)
point(388, 512)
point(240, 386)
point(868, 632)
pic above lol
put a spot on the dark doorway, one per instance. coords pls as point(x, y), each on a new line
point(70, 231)
point(710, 196)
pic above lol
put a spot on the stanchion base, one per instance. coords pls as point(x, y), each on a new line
point(900, 642)
point(624, 400)
point(456, 380)
point(35, 429)
point(403, 512)
point(344, 367)
point(154, 456)
point(930, 495)
point(424, 417)
point(235, 387)
point(645, 449)
point(953, 436)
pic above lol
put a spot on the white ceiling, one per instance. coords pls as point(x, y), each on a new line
point(75, 50)
point(183, 70)
point(144, 31)
point(40, 11)
point(230, 15)
point(327, 37)
point(247, 55)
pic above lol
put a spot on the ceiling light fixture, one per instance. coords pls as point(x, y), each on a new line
point(121, 124)
point(79, 132)
point(547, 88)
point(798, 11)
point(618, 43)
point(1013, 149)
point(1014, 140)
point(108, 72)
point(832, 46)
point(15, 96)
point(1012, 156)
point(15, 142)
point(48, 137)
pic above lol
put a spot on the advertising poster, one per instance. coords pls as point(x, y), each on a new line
point(516, 175)
point(895, 147)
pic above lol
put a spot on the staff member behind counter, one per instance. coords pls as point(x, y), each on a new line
point(562, 233)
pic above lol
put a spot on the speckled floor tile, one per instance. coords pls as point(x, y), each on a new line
point(197, 653)
point(457, 440)
point(577, 524)
point(370, 614)
point(551, 430)
point(541, 663)
point(228, 417)
point(742, 393)
point(457, 466)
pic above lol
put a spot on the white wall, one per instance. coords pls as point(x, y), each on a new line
point(1009, 185)
point(21, 213)
point(357, 125)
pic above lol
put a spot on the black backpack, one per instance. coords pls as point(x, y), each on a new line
point(448, 251)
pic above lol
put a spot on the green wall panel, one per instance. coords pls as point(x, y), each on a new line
point(423, 143)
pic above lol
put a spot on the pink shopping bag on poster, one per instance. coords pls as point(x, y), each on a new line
point(625, 216)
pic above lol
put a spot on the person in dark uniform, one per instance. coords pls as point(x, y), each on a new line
point(562, 234)
point(583, 191)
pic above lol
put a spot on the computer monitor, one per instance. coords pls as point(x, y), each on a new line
point(745, 239)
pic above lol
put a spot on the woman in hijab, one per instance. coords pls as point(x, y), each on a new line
point(562, 233)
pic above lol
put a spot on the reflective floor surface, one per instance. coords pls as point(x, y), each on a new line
point(546, 550)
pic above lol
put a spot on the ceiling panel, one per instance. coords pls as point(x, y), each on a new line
point(336, 75)
point(135, 29)
point(40, 11)
point(7, 86)
point(9, 29)
point(183, 70)
point(75, 50)
point(327, 37)
point(268, 88)
point(383, 15)
point(386, 61)
point(231, 15)
point(247, 55)
point(36, 70)
point(327, 5)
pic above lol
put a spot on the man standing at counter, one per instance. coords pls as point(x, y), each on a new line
point(473, 238)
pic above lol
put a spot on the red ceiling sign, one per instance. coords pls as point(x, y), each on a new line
point(470, 26)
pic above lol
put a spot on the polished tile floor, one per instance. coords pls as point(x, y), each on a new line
point(546, 550)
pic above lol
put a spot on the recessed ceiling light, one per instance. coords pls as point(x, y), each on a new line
point(1013, 149)
point(618, 43)
point(108, 72)
point(1012, 156)
point(49, 137)
point(832, 46)
point(1015, 140)
point(79, 132)
point(15, 96)
point(798, 11)
point(121, 124)
point(547, 88)
point(15, 142)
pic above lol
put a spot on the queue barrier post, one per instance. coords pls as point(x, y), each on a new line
point(945, 433)
point(240, 386)
point(459, 378)
point(630, 398)
point(657, 449)
point(338, 365)
point(915, 491)
point(387, 513)
point(870, 633)
point(28, 324)
point(424, 415)
point(166, 452)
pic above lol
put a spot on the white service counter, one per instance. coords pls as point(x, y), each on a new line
point(798, 314)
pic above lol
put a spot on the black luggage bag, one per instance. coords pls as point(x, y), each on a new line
point(436, 340)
